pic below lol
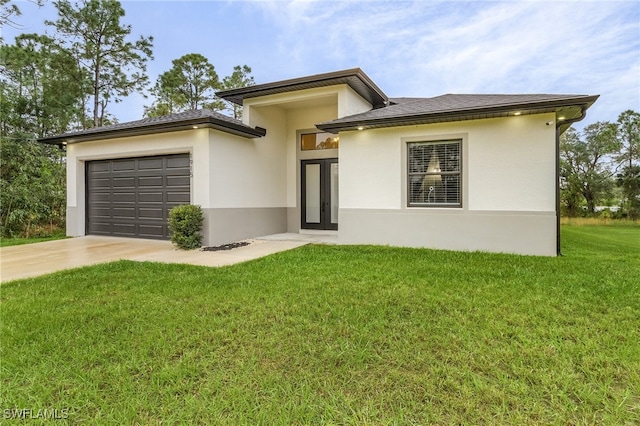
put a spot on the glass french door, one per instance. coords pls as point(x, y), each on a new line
point(319, 179)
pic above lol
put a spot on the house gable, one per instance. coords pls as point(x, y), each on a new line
point(355, 78)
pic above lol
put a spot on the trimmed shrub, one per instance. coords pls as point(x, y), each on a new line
point(185, 224)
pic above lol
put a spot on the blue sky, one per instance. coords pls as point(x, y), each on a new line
point(409, 48)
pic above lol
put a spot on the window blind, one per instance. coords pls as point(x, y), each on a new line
point(434, 173)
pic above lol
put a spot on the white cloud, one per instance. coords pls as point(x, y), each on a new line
point(426, 48)
point(414, 48)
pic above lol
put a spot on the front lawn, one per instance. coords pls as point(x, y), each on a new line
point(336, 335)
point(6, 242)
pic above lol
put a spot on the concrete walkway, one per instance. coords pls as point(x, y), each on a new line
point(31, 260)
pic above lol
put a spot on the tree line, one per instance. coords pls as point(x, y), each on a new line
point(600, 168)
point(53, 84)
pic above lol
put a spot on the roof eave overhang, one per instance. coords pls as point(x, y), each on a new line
point(200, 123)
point(354, 78)
point(567, 108)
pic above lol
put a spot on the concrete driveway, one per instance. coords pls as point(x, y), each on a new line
point(31, 260)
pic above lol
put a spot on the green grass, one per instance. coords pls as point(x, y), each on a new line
point(336, 335)
point(6, 242)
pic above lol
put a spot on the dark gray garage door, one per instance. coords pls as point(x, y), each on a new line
point(131, 197)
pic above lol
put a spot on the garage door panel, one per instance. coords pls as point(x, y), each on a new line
point(149, 231)
point(178, 172)
point(175, 181)
point(123, 165)
point(178, 162)
point(151, 197)
point(100, 211)
point(150, 212)
point(178, 197)
point(100, 182)
point(123, 212)
point(124, 197)
point(123, 229)
point(150, 164)
point(152, 181)
point(100, 197)
point(123, 182)
point(102, 226)
point(132, 197)
point(99, 167)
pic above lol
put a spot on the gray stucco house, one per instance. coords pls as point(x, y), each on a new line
point(332, 153)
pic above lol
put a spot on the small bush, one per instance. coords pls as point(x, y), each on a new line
point(185, 224)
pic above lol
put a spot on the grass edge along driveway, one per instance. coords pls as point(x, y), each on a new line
point(335, 335)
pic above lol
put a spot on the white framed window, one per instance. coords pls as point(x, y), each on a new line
point(434, 173)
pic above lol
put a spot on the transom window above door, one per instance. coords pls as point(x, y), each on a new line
point(315, 141)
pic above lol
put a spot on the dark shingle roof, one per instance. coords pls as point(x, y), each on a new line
point(450, 107)
point(201, 118)
point(386, 112)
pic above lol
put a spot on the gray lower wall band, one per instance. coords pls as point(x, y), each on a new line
point(531, 233)
point(223, 226)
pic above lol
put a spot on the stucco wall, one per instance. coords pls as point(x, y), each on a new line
point(512, 164)
point(229, 174)
point(350, 103)
point(370, 169)
point(194, 142)
point(508, 175)
point(250, 172)
point(285, 116)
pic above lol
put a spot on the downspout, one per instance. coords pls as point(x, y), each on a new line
point(583, 114)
